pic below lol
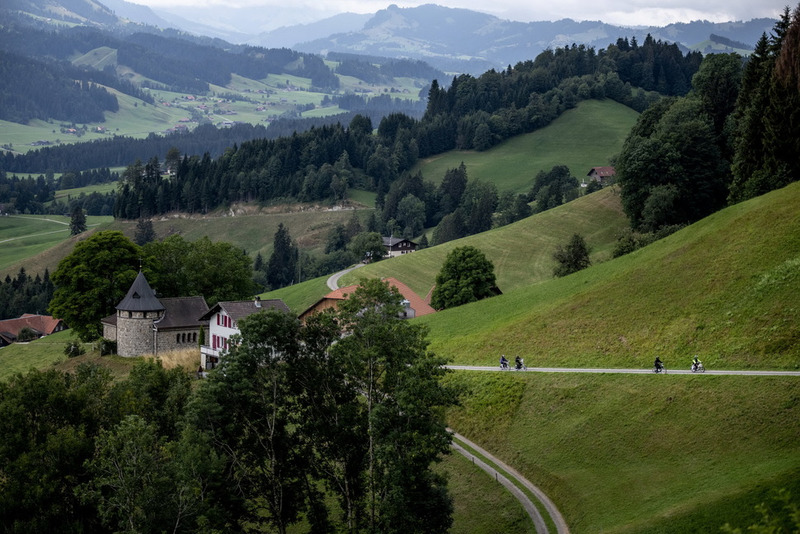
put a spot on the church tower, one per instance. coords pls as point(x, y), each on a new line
point(135, 316)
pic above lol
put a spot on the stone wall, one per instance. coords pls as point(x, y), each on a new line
point(186, 338)
point(135, 333)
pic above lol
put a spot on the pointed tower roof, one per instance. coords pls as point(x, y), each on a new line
point(140, 297)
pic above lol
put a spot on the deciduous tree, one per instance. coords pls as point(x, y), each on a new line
point(466, 276)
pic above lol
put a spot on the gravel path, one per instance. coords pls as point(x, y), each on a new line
point(530, 507)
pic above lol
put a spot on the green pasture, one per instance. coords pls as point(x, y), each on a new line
point(724, 288)
point(299, 297)
point(639, 453)
point(99, 58)
point(521, 252)
point(23, 237)
point(581, 138)
point(41, 354)
point(75, 192)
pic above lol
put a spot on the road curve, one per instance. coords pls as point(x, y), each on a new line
point(530, 507)
point(618, 371)
point(333, 280)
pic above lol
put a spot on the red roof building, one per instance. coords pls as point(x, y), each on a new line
point(41, 325)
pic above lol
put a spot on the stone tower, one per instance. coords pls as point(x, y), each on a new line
point(135, 316)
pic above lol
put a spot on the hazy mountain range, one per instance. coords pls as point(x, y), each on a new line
point(457, 40)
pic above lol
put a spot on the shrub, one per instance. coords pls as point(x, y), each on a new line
point(74, 348)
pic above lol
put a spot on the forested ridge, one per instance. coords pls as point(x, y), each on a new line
point(471, 113)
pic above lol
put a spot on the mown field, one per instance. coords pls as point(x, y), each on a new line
point(23, 238)
point(521, 252)
point(640, 453)
point(726, 288)
point(584, 137)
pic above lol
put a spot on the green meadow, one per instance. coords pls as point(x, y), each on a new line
point(24, 237)
point(581, 138)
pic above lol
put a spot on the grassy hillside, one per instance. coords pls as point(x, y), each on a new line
point(584, 137)
point(640, 453)
point(26, 239)
point(521, 252)
point(726, 288)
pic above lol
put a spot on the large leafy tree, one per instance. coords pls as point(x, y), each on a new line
point(671, 170)
point(466, 276)
point(92, 280)
point(385, 360)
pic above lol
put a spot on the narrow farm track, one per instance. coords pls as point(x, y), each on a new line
point(502, 475)
point(618, 371)
point(503, 478)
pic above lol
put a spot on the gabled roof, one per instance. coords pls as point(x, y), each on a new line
point(140, 297)
point(182, 312)
point(416, 302)
point(239, 309)
point(41, 324)
point(602, 171)
point(392, 241)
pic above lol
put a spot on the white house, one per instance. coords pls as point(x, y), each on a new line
point(397, 246)
point(223, 320)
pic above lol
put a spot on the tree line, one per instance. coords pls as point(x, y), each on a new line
point(734, 136)
point(298, 426)
point(25, 294)
point(471, 113)
point(37, 195)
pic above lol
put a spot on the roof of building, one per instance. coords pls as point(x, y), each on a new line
point(602, 171)
point(392, 241)
point(182, 312)
point(41, 324)
point(416, 302)
point(140, 297)
point(239, 309)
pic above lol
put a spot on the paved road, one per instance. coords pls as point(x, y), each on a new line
point(623, 371)
point(530, 508)
point(333, 280)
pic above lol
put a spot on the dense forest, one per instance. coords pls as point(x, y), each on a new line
point(25, 294)
point(734, 136)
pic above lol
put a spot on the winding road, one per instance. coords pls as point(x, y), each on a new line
point(503, 473)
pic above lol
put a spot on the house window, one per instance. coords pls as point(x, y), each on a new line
point(177, 338)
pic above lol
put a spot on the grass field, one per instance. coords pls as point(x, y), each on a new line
point(640, 453)
point(24, 237)
point(721, 288)
point(521, 252)
point(584, 137)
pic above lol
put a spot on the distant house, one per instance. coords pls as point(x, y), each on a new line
point(413, 304)
point(601, 174)
point(147, 325)
point(397, 246)
point(223, 320)
point(40, 325)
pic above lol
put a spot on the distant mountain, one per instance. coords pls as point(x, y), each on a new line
point(287, 36)
point(468, 41)
point(450, 39)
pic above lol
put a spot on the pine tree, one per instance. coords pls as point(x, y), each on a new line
point(283, 262)
point(77, 223)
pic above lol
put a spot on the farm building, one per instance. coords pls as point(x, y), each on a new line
point(31, 324)
point(414, 305)
point(397, 246)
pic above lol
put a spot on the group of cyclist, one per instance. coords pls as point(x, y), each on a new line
point(658, 365)
point(519, 363)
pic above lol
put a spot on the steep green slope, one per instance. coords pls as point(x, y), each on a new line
point(727, 288)
point(521, 252)
point(640, 453)
point(584, 137)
